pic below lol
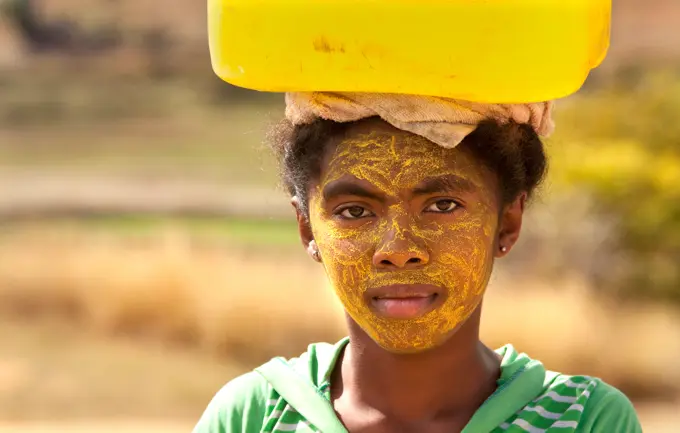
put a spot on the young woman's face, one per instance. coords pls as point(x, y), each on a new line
point(406, 231)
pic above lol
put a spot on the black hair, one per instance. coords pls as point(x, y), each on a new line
point(512, 151)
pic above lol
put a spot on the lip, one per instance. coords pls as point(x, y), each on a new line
point(404, 301)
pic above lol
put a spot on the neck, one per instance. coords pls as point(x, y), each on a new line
point(451, 380)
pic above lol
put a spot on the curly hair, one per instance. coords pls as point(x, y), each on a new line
point(512, 151)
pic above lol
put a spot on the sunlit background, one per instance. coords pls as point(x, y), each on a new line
point(147, 257)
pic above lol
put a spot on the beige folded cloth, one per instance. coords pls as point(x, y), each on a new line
point(443, 121)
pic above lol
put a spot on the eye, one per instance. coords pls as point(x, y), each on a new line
point(442, 206)
point(354, 212)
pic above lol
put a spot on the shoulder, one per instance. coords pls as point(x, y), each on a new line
point(240, 406)
point(610, 410)
point(604, 408)
point(244, 403)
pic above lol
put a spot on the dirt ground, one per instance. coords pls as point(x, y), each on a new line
point(99, 426)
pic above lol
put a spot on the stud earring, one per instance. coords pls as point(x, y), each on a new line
point(504, 249)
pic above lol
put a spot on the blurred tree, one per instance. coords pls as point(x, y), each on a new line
point(55, 35)
point(38, 34)
point(623, 145)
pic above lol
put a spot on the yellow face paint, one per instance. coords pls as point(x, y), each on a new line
point(454, 250)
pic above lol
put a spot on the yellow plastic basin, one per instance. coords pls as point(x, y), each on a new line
point(501, 51)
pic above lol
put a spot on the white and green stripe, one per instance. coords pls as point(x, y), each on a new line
point(558, 409)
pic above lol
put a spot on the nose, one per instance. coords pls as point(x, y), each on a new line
point(400, 251)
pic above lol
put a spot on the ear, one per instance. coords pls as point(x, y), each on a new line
point(510, 225)
point(305, 230)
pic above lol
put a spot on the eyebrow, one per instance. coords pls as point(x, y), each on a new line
point(446, 183)
point(342, 187)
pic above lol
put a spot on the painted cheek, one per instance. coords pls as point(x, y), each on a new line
point(347, 253)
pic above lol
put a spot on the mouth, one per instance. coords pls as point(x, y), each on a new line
point(404, 301)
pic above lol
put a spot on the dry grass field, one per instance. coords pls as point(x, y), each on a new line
point(147, 324)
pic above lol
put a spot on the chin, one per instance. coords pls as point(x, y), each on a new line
point(401, 341)
point(411, 347)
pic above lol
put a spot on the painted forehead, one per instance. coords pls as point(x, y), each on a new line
point(390, 159)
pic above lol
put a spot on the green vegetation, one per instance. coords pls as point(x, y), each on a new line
point(236, 232)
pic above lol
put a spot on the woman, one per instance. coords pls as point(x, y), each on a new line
point(407, 201)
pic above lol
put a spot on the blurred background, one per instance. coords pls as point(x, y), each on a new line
point(147, 256)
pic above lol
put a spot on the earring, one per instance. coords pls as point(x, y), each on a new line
point(316, 255)
point(504, 249)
